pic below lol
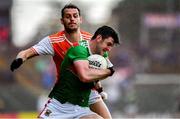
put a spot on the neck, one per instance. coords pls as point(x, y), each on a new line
point(73, 36)
point(92, 46)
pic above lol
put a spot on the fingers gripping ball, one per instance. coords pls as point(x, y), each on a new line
point(97, 61)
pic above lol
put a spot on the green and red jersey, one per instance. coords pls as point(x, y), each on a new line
point(69, 88)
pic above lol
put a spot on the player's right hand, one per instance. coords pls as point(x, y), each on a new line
point(112, 71)
point(16, 64)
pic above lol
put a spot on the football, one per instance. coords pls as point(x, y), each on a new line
point(97, 61)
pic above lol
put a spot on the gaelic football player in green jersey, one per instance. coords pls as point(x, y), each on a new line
point(69, 97)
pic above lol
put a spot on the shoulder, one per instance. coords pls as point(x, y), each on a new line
point(86, 35)
point(57, 37)
point(78, 50)
point(83, 43)
point(77, 53)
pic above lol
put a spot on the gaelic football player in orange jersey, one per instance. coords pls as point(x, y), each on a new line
point(57, 44)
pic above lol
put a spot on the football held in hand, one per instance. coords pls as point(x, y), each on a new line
point(97, 61)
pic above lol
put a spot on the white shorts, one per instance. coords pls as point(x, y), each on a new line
point(94, 97)
point(55, 110)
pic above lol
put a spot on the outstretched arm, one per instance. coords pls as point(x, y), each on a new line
point(22, 57)
point(26, 54)
point(44, 47)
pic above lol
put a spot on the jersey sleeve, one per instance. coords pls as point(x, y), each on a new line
point(44, 47)
point(78, 53)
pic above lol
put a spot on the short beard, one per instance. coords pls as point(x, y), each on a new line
point(70, 30)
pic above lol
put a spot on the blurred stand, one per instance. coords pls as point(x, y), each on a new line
point(47, 70)
point(120, 87)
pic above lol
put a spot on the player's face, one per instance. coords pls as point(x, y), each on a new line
point(71, 19)
point(104, 45)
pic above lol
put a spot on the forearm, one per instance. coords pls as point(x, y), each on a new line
point(87, 74)
point(26, 54)
point(21, 57)
point(96, 74)
point(92, 75)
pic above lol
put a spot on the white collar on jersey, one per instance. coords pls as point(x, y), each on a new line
point(89, 48)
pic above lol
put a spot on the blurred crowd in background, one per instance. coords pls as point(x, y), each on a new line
point(147, 63)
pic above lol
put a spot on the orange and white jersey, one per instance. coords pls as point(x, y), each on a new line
point(57, 45)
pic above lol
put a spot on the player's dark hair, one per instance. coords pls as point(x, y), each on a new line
point(68, 6)
point(106, 32)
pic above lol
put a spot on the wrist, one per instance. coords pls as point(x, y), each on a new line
point(19, 60)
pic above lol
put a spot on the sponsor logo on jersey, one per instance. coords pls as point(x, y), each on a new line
point(95, 63)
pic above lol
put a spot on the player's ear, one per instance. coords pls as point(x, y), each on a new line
point(62, 22)
point(99, 38)
point(81, 19)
